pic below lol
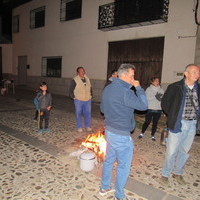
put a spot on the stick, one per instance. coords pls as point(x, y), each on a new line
point(38, 119)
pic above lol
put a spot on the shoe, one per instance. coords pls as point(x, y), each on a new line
point(88, 129)
point(164, 181)
point(163, 143)
point(40, 131)
point(47, 130)
point(153, 138)
point(103, 192)
point(80, 130)
point(125, 198)
point(141, 136)
point(179, 179)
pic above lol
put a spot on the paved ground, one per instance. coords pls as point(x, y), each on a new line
point(36, 167)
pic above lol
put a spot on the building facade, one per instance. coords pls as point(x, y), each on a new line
point(51, 38)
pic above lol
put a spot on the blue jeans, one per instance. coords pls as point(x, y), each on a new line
point(120, 149)
point(83, 108)
point(178, 145)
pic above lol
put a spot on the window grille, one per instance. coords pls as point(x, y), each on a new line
point(15, 25)
point(37, 17)
point(51, 66)
point(129, 13)
point(70, 9)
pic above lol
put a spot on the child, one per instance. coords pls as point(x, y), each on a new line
point(45, 104)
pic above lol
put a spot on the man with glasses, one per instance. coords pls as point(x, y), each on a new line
point(181, 104)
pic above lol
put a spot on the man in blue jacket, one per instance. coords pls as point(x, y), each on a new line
point(118, 105)
point(180, 102)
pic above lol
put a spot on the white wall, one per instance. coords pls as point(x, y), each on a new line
point(81, 43)
point(6, 58)
point(180, 40)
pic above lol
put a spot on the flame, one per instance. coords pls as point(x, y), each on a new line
point(97, 143)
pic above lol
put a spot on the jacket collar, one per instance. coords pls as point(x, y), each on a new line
point(121, 82)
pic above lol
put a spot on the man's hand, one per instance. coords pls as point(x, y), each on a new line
point(159, 96)
point(135, 83)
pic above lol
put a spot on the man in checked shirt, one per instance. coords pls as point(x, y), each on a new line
point(181, 104)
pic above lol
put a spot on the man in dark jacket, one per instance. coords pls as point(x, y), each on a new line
point(113, 75)
point(118, 104)
point(181, 103)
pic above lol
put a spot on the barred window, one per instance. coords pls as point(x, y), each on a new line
point(15, 24)
point(70, 9)
point(37, 17)
point(51, 66)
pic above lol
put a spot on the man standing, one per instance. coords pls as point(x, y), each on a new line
point(113, 75)
point(81, 92)
point(118, 104)
point(180, 102)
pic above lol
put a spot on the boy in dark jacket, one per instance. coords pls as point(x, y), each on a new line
point(45, 104)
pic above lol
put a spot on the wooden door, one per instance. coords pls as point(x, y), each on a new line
point(145, 54)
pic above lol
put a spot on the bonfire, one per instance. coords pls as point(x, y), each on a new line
point(96, 142)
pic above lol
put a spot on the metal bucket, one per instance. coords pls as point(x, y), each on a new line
point(87, 161)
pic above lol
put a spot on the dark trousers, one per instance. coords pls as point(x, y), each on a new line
point(151, 115)
point(44, 118)
point(36, 115)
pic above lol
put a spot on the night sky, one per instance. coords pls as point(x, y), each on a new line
point(6, 7)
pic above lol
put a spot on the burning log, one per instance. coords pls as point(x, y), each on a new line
point(96, 143)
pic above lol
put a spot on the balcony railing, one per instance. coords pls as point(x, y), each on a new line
point(114, 16)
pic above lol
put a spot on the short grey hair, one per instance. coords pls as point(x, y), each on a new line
point(187, 68)
point(124, 68)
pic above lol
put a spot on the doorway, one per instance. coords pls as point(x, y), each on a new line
point(145, 54)
point(22, 70)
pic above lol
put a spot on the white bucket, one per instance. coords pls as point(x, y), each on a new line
point(87, 161)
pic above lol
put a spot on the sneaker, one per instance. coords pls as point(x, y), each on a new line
point(47, 130)
point(164, 181)
point(103, 192)
point(125, 198)
point(163, 143)
point(40, 131)
point(88, 129)
point(141, 136)
point(179, 179)
point(153, 138)
point(80, 130)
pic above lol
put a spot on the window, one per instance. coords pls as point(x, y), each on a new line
point(37, 17)
point(15, 25)
point(51, 66)
point(70, 9)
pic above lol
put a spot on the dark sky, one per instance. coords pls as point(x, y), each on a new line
point(6, 7)
point(6, 16)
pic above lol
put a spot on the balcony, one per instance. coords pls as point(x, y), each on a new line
point(132, 13)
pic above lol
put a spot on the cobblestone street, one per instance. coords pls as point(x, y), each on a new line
point(37, 166)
